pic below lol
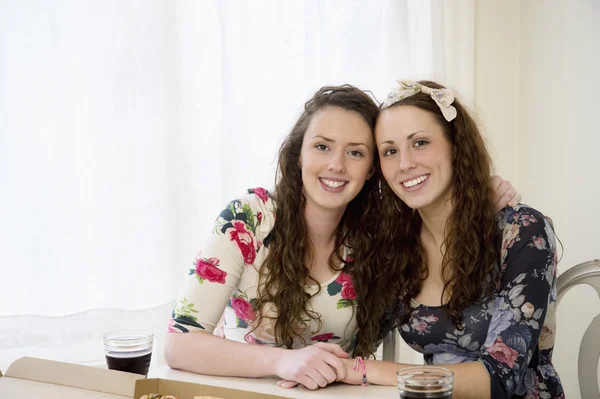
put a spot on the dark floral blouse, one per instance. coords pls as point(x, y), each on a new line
point(512, 333)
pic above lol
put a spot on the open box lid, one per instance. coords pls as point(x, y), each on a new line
point(29, 376)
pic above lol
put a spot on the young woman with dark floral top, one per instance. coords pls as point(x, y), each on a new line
point(476, 287)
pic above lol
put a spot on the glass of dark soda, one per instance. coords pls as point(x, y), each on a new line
point(425, 382)
point(129, 350)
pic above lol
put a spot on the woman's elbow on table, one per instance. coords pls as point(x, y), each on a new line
point(171, 350)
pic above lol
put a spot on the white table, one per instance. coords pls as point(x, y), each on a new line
point(269, 386)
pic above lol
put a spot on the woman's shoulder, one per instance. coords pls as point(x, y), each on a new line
point(522, 216)
point(523, 226)
point(259, 198)
point(255, 208)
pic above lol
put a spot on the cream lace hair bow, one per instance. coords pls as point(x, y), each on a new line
point(406, 88)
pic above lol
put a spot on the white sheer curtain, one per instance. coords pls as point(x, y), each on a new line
point(126, 125)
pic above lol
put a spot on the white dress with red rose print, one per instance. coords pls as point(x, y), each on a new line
point(223, 279)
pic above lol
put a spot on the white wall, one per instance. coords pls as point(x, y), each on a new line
point(496, 81)
point(537, 87)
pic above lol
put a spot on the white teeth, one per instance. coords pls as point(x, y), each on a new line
point(414, 182)
point(333, 184)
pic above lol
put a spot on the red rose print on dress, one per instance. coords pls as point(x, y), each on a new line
point(343, 286)
point(206, 269)
point(261, 193)
point(503, 353)
point(243, 309)
point(171, 327)
point(251, 339)
point(348, 291)
point(324, 337)
point(344, 278)
point(244, 240)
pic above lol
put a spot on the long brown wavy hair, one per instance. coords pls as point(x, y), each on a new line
point(471, 246)
point(284, 273)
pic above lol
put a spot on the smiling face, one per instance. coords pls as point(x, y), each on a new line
point(415, 157)
point(336, 158)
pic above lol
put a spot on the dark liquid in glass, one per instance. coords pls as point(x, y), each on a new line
point(425, 395)
point(131, 362)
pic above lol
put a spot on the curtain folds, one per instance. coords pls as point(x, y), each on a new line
point(125, 126)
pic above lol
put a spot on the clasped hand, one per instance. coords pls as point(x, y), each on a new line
point(314, 366)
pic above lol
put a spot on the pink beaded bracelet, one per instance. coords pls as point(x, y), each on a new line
point(360, 362)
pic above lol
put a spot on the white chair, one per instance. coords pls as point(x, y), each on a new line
point(389, 347)
point(589, 349)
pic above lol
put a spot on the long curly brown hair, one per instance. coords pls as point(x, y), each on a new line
point(284, 273)
point(471, 242)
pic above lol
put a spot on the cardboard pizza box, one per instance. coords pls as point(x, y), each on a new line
point(189, 390)
point(29, 377)
point(186, 385)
